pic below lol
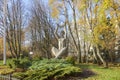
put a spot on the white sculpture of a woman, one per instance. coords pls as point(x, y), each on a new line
point(58, 53)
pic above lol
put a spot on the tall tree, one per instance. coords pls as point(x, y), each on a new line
point(41, 29)
point(14, 26)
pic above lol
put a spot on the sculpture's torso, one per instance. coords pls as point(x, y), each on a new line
point(61, 43)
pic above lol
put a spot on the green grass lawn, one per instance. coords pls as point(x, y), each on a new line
point(112, 73)
point(1, 62)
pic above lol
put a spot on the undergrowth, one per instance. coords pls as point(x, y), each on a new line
point(48, 69)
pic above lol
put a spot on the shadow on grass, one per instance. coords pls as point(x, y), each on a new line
point(86, 72)
point(79, 76)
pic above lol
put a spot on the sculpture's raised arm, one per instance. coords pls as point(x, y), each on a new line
point(61, 50)
point(65, 33)
point(56, 34)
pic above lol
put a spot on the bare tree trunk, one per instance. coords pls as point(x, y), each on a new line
point(76, 31)
point(14, 27)
point(105, 64)
point(41, 29)
point(69, 28)
point(94, 55)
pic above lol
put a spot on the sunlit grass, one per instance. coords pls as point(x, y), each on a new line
point(103, 73)
point(1, 62)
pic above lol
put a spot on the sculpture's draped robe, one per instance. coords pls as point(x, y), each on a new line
point(61, 48)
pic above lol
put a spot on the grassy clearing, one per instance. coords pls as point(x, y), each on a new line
point(112, 73)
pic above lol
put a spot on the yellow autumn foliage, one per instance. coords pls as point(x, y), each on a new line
point(55, 6)
point(1, 45)
point(55, 12)
point(104, 35)
point(107, 4)
point(51, 2)
point(81, 4)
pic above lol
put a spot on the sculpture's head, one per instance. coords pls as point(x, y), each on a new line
point(62, 33)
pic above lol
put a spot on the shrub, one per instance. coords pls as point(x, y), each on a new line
point(14, 63)
point(25, 52)
point(36, 56)
point(25, 63)
point(19, 75)
point(5, 70)
point(48, 69)
point(71, 59)
point(20, 63)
